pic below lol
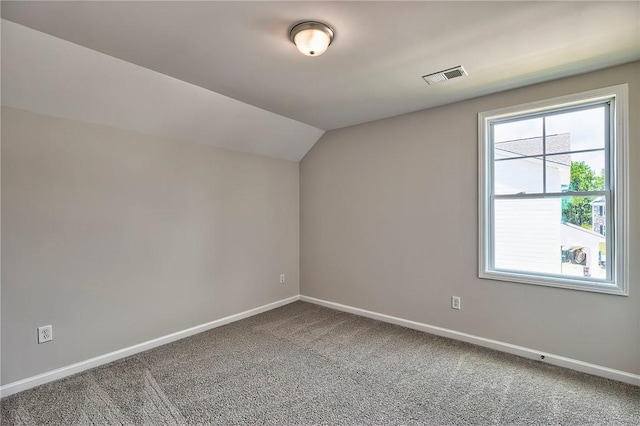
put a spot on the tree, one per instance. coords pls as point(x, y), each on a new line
point(577, 210)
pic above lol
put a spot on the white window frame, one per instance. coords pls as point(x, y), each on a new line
point(618, 186)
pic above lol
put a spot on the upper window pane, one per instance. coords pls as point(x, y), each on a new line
point(518, 176)
point(518, 129)
point(582, 129)
point(518, 148)
point(583, 171)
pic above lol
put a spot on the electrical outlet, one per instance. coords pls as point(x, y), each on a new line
point(281, 278)
point(455, 302)
point(45, 334)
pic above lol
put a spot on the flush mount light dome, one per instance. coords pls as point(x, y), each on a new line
point(311, 38)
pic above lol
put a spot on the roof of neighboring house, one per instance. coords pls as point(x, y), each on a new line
point(533, 146)
point(600, 201)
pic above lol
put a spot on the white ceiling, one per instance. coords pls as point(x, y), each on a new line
point(372, 70)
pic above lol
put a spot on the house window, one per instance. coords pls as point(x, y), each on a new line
point(552, 179)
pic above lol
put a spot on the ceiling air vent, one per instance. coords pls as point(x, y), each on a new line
point(440, 76)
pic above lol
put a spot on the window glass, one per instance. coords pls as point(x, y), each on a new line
point(518, 176)
point(582, 171)
point(522, 129)
point(587, 128)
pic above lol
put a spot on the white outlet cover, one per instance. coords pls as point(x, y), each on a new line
point(455, 302)
point(45, 334)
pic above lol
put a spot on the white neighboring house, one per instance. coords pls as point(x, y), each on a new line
point(529, 234)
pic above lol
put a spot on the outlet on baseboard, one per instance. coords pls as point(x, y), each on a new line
point(45, 334)
point(281, 278)
point(455, 302)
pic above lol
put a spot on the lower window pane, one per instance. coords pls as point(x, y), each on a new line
point(558, 236)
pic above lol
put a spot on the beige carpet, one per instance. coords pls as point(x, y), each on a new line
point(304, 364)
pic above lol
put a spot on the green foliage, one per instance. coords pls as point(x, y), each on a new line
point(584, 178)
point(577, 210)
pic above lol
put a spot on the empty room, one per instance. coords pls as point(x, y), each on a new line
point(320, 212)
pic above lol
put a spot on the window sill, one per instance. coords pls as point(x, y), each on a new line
point(557, 282)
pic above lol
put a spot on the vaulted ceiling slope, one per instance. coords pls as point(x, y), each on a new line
point(372, 70)
point(51, 76)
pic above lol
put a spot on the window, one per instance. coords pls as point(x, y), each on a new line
point(552, 180)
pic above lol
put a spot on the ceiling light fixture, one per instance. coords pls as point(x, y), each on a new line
point(312, 38)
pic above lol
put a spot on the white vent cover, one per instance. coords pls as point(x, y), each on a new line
point(440, 76)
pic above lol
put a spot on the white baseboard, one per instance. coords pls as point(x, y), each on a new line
point(49, 376)
point(597, 370)
point(573, 364)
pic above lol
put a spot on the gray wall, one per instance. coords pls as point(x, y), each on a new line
point(389, 224)
point(116, 238)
